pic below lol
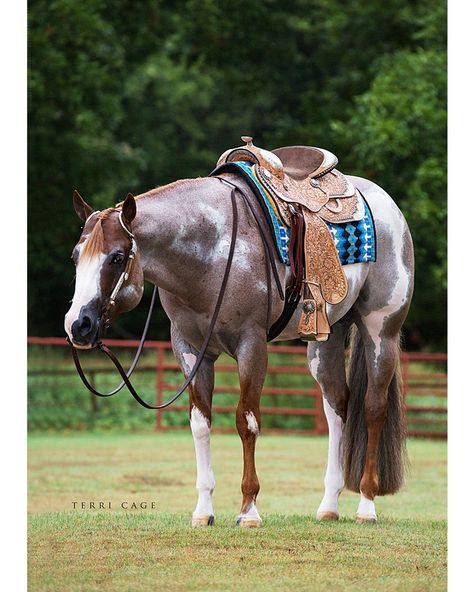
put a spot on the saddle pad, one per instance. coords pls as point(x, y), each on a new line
point(355, 241)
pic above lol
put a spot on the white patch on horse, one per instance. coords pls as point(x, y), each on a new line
point(314, 365)
point(213, 214)
point(252, 423)
point(205, 481)
point(374, 321)
point(190, 361)
point(241, 253)
point(87, 288)
point(356, 274)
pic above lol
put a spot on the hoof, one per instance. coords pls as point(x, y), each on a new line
point(327, 516)
point(366, 518)
point(249, 522)
point(203, 520)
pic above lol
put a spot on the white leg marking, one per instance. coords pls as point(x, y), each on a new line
point(334, 478)
point(252, 423)
point(87, 288)
point(205, 481)
point(250, 518)
point(366, 510)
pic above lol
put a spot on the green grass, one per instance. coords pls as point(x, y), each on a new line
point(115, 550)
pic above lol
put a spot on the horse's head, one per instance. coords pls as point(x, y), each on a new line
point(109, 277)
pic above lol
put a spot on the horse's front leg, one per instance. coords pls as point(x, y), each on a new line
point(252, 365)
point(200, 404)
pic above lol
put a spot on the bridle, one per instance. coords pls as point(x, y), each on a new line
point(125, 273)
point(123, 276)
point(125, 375)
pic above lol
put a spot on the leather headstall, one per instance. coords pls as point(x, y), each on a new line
point(125, 273)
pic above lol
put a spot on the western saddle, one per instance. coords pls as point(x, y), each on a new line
point(308, 191)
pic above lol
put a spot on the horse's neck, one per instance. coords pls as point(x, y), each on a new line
point(177, 228)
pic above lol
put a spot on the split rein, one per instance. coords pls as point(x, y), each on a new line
point(124, 276)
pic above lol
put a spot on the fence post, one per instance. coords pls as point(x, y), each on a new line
point(159, 383)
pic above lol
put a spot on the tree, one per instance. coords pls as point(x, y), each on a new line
point(124, 96)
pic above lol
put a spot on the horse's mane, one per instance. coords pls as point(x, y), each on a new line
point(156, 191)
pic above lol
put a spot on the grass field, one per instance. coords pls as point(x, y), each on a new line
point(156, 549)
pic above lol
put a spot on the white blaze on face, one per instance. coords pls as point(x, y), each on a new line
point(87, 288)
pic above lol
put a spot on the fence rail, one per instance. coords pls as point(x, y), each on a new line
point(424, 385)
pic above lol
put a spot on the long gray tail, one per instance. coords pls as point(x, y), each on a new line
point(392, 458)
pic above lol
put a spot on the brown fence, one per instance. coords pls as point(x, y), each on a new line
point(424, 380)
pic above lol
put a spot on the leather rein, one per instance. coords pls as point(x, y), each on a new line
point(125, 375)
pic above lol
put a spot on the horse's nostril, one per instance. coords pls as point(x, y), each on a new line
point(85, 326)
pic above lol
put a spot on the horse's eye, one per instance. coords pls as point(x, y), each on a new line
point(118, 258)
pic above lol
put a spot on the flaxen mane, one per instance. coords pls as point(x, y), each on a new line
point(95, 242)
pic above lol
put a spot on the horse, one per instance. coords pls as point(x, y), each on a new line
point(183, 234)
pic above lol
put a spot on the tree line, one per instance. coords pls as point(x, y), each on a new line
point(125, 96)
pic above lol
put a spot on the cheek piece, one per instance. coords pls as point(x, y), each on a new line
point(105, 322)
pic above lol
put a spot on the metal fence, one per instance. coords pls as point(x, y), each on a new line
point(424, 386)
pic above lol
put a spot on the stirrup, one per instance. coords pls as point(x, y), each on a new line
point(314, 324)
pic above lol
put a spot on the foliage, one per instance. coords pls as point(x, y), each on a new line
point(124, 96)
point(398, 133)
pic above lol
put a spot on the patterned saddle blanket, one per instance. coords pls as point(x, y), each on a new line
point(354, 240)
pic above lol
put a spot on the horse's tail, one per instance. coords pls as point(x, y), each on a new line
point(392, 450)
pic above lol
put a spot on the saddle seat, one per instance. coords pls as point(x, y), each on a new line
point(300, 162)
point(307, 191)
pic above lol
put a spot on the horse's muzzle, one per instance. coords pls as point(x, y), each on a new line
point(88, 328)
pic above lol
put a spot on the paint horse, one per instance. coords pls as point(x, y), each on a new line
point(183, 233)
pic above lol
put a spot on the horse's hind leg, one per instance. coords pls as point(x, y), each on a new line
point(200, 400)
point(327, 365)
point(252, 365)
point(381, 344)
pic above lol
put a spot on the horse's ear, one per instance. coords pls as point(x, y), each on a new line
point(129, 209)
point(83, 209)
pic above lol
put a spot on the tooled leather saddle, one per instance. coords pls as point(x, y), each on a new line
point(307, 191)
